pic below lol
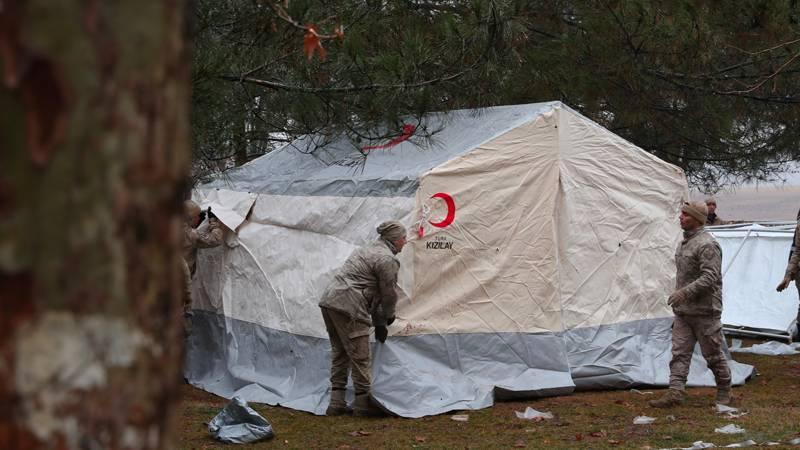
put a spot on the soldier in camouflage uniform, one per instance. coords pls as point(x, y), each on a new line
point(697, 304)
point(793, 270)
point(362, 294)
point(712, 218)
point(192, 240)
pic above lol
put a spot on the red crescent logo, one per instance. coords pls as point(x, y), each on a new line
point(451, 210)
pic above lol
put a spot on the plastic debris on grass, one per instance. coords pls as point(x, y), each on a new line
point(532, 414)
point(701, 444)
point(729, 412)
point(643, 420)
point(769, 348)
point(636, 391)
point(238, 423)
point(695, 446)
point(731, 428)
point(460, 417)
point(743, 444)
point(747, 443)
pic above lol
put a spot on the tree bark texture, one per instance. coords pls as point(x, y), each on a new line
point(94, 154)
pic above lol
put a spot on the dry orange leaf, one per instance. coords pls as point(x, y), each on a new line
point(312, 43)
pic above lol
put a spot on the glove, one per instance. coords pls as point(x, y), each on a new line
point(381, 333)
point(390, 321)
point(784, 284)
point(675, 298)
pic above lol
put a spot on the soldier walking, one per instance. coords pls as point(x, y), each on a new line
point(697, 304)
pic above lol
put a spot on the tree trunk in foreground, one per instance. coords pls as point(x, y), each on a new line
point(93, 157)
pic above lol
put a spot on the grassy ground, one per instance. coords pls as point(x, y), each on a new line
point(583, 420)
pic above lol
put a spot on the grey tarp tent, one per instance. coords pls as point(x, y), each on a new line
point(540, 261)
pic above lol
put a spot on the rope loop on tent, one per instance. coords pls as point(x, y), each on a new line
point(425, 215)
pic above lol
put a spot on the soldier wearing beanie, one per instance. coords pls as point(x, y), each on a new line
point(362, 294)
point(697, 304)
point(712, 218)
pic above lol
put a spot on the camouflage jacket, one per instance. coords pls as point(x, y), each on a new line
point(364, 287)
point(194, 239)
point(714, 219)
point(793, 268)
point(699, 275)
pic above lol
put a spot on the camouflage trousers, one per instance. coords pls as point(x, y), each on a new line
point(686, 332)
point(797, 321)
point(349, 351)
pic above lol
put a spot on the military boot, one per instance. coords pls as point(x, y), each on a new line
point(338, 405)
point(724, 395)
point(673, 397)
point(363, 406)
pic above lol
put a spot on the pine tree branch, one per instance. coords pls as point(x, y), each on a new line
point(344, 90)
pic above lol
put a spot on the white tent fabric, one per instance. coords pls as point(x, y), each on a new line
point(541, 260)
point(754, 259)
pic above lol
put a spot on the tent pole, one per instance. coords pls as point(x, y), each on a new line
point(730, 263)
point(733, 331)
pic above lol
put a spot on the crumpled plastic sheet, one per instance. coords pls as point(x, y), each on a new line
point(731, 428)
point(643, 420)
point(636, 391)
point(238, 423)
point(531, 413)
point(743, 444)
point(695, 446)
point(698, 445)
point(770, 348)
point(729, 411)
point(747, 443)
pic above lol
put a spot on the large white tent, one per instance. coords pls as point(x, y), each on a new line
point(754, 260)
point(541, 261)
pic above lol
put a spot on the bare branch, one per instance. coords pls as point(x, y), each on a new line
point(283, 15)
point(761, 83)
point(766, 49)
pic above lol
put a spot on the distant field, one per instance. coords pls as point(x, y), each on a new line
point(758, 204)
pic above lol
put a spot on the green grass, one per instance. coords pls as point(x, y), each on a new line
point(583, 420)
